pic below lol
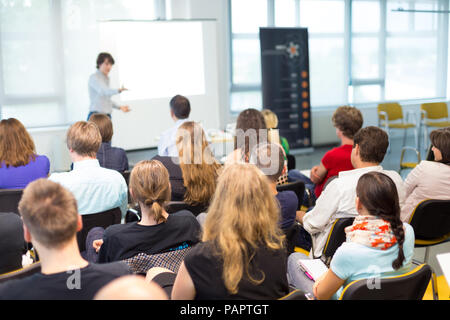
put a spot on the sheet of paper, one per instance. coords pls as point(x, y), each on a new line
point(444, 262)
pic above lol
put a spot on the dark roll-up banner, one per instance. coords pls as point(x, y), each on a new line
point(285, 82)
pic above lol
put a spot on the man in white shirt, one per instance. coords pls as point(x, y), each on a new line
point(338, 198)
point(180, 109)
point(96, 189)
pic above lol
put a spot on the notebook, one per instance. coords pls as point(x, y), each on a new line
point(314, 268)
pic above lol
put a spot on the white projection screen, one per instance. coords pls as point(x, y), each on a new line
point(156, 60)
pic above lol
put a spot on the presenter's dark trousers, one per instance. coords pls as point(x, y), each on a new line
point(92, 112)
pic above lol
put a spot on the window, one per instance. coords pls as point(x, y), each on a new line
point(360, 51)
point(44, 60)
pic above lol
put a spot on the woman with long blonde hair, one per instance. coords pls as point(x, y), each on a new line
point(193, 174)
point(19, 163)
point(157, 231)
point(242, 255)
point(199, 167)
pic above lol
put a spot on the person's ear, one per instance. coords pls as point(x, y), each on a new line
point(131, 192)
point(26, 234)
point(358, 204)
point(79, 223)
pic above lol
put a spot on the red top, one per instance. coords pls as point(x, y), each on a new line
point(335, 161)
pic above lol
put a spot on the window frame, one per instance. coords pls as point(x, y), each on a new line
point(442, 35)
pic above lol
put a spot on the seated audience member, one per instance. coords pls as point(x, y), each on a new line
point(193, 175)
point(269, 158)
point(273, 136)
point(96, 189)
point(19, 163)
point(157, 231)
point(378, 243)
point(109, 157)
point(12, 244)
point(51, 221)
point(347, 121)
point(250, 131)
point(271, 120)
point(242, 255)
point(131, 287)
point(180, 108)
point(338, 199)
point(429, 179)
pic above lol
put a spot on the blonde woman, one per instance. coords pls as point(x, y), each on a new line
point(193, 175)
point(242, 255)
point(157, 231)
point(271, 120)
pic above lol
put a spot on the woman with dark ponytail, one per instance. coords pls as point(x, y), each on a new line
point(157, 231)
point(378, 243)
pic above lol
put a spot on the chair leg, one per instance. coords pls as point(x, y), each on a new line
point(434, 285)
point(404, 137)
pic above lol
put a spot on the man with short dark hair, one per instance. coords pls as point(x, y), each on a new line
point(180, 108)
point(51, 222)
point(99, 91)
point(338, 198)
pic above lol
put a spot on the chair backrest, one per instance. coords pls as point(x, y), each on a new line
point(393, 109)
point(336, 238)
point(101, 219)
point(171, 260)
point(297, 186)
point(126, 176)
point(431, 219)
point(175, 206)
point(409, 286)
point(9, 200)
point(435, 110)
point(291, 234)
point(21, 273)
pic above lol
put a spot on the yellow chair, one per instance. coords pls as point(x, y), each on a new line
point(405, 164)
point(390, 116)
point(438, 114)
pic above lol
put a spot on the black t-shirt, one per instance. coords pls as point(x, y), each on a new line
point(205, 269)
point(81, 284)
point(288, 203)
point(123, 241)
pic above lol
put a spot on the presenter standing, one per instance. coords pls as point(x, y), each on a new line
point(99, 91)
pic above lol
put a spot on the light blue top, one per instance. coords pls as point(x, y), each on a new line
point(96, 189)
point(166, 145)
point(353, 261)
point(100, 93)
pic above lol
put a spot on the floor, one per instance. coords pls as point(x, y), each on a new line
point(306, 161)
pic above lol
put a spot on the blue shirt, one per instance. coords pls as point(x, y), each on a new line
point(100, 93)
point(96, 189)
point(166, 145)
point(288, 204)
point(19, 177)
point(112, 157)
point(353, 261)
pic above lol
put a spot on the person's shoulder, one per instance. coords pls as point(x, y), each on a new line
point(394, 175)
point(409, 232)
point(287, 196)
point(118, 229)
point(183, 217)
point(14, 289)
point(202, 250)
point(60, 177)
point(117, 268)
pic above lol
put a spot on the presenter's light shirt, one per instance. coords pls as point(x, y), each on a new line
point(166, 145)
point(100, 93)
point(96, 189)
point(353, 261)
